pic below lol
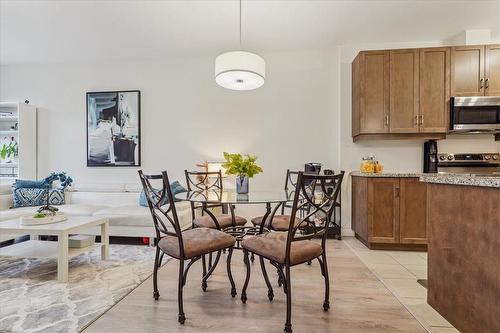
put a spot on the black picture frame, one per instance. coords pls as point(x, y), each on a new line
point(92, 159)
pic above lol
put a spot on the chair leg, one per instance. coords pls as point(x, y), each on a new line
point(252, 257)
point(280, 279)
point(270, 293)
point(309, 263)
point(182, 317)
point(326, 303)
point(229, 274)
point(203, 281)
point(288, 324)
point(156, 293)
point(247, 279)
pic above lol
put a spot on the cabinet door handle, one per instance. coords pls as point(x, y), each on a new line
point(421, 120)
point(481, 85)
point(416, 120)
point(487, 83)
point(396, 192)
point(386, 120)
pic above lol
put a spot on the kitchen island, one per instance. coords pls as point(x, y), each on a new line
point(463, 231)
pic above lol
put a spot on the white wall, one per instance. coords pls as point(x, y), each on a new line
point(186, 117)
point(395, 155)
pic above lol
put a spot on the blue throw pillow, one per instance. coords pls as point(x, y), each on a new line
point(28, 197)
point(22, 183)
point(175, 186)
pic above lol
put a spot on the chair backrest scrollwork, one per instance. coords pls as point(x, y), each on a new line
point(161, 204)
point(320, 205)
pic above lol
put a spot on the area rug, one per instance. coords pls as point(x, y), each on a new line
point(31, 299)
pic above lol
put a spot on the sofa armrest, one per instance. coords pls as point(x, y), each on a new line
point(5, 201)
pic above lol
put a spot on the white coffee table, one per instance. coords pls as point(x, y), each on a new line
point(60, 249)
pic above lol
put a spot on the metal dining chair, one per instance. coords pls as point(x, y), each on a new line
point(281, 222)
point(296, 246)
point(190, 245)
point(203, 181)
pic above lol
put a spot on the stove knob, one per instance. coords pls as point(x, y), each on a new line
point(487, 157)
point(442, 157)
point(450, 157)
point(495, 157)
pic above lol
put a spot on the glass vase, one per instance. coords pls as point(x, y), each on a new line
point(241, 184)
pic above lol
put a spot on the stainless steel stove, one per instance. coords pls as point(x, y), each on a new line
point(480, 164)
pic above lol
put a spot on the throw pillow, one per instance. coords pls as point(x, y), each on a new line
point(22, 183)
point(175, 186)
point(28, 197)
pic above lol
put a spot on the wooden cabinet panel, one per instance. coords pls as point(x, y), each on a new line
point(359, 210)
point(467, 71)
point(492, 70)
point(374, 91)
point(413, 210)
point(404, 73)
point(383, 210)
point(434, 89)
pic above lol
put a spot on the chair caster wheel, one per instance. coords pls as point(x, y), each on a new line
point(288, 328)
point(326, 305)
point(244, 298)
point(156, 295)
point(204, 286)
point(182, 319)
point(233, 292)
point(270, 295)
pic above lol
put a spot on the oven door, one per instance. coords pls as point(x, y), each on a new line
point(475, 113)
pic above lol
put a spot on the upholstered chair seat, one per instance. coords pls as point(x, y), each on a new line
point(224, 221)
point(279, 223)
point(272, 246)
point(196, 242)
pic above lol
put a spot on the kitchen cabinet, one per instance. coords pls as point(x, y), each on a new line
point(405, 93)
point(404, 80)
point(434, 89)
point(492, 70)
point(412, 211)
point(383, 210)
point(386, 90)
point(467, 71)
point(389, 212)
point(370, 86)
point(475, 70)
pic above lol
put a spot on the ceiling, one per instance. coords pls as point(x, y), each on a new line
point(75, 31)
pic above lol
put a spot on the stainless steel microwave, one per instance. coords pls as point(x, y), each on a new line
point(478, 113)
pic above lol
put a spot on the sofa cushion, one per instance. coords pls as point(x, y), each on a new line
point(134, 215)
point(80, 209)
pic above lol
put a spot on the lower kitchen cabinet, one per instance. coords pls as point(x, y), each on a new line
point(389, 212)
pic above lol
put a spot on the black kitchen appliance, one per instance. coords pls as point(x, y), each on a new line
point(430, 157)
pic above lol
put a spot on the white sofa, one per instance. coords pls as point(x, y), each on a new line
point(118, 202)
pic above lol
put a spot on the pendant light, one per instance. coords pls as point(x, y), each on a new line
point(240, 70)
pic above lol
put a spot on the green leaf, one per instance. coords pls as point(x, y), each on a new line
point(236, 164)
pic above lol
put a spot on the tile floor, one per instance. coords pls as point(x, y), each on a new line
point(399, 272)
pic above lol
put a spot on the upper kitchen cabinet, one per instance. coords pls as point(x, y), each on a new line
point(467, 71)
point(404, 78)
point(434, 90)
point(370, 91)
point(475, 70)
point(492, 70)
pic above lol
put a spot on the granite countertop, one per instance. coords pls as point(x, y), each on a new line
point(461, 179)
point(387, 174)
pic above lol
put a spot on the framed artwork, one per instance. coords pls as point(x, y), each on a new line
point(114, 129)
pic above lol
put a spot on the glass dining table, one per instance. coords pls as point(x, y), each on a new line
point(230, 198)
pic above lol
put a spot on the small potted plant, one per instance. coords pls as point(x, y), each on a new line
point(243, 167)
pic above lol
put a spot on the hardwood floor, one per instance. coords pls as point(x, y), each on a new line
point(359, 301)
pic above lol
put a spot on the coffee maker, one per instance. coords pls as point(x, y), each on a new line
point(430, 156)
